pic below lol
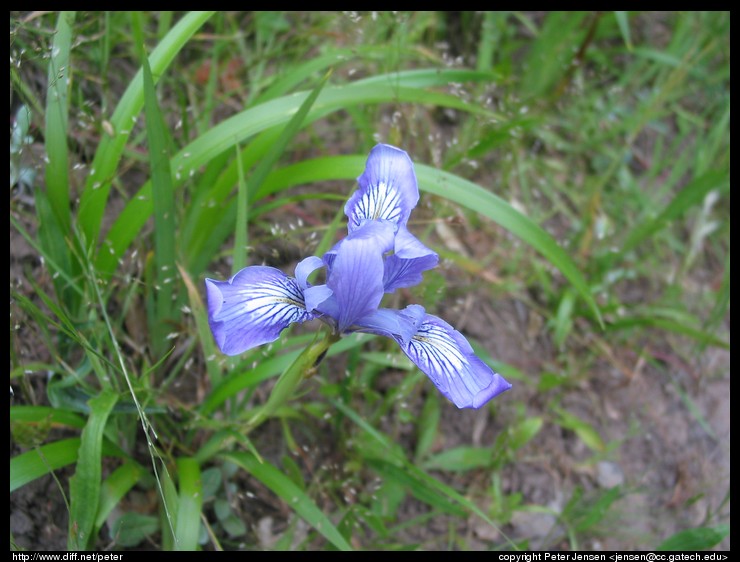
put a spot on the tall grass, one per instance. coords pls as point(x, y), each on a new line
point(594, 153)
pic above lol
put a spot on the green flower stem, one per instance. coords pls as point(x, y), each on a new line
point(303, 367)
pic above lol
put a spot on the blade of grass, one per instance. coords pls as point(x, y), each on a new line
point(115, 487)
point(272, 156)
point(56, 119)
point(45, 414)
point(163, 204)
point(190, 502)
point(237, 381)
point(275, 112)
point(33, 464)
point(289, 492)
point(691, 195)
point(429, 481)
point(102, 171)
point(84, 486)
point(698, 538)
point(704, 337)
point(241, 240)
point(210, 352)
point(624, 28)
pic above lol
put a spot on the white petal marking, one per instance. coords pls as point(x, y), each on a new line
point(380, 202)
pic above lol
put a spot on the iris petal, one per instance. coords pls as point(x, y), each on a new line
point(356, 275)
point(446, 357)
point(400, 325)
point(305, 268)
point(253, 307)
point(387, 189)
point(409, 260)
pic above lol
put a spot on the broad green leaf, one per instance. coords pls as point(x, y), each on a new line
point(35, 463)
point(84, 486)
point(700, 538)
point(189, 505)
point(39, 461)
point(115, 487)
point(524, 431)
point(44, 414)
point(55, 129)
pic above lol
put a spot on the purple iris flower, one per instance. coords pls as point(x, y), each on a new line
point(378, 256)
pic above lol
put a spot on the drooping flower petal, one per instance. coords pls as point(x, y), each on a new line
point(313, 295)
point(253, 307)
point(356, 275)
point(446, 357)
point(387, 189)
point(305, 268)
point(400, 325)
point(410, 259)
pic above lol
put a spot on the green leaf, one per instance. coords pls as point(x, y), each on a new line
point(236, 382)
point(597, 510)
point(551, 53)
point(45, 414)
point(35, 463)
point(700, 538)
point(115, 487)
point(460, 459)
point(163, 205)
point(84, 486)
point(272, 156)
point(624, 28)
point(40, 461)
point(55, 128)
point(584, 430)
point(189, 505)
point(691, 195)
point(421, 488)
point(404, 86)
point(130, 529)
point(103, 169)
point(284, 487)
point(524, 431)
